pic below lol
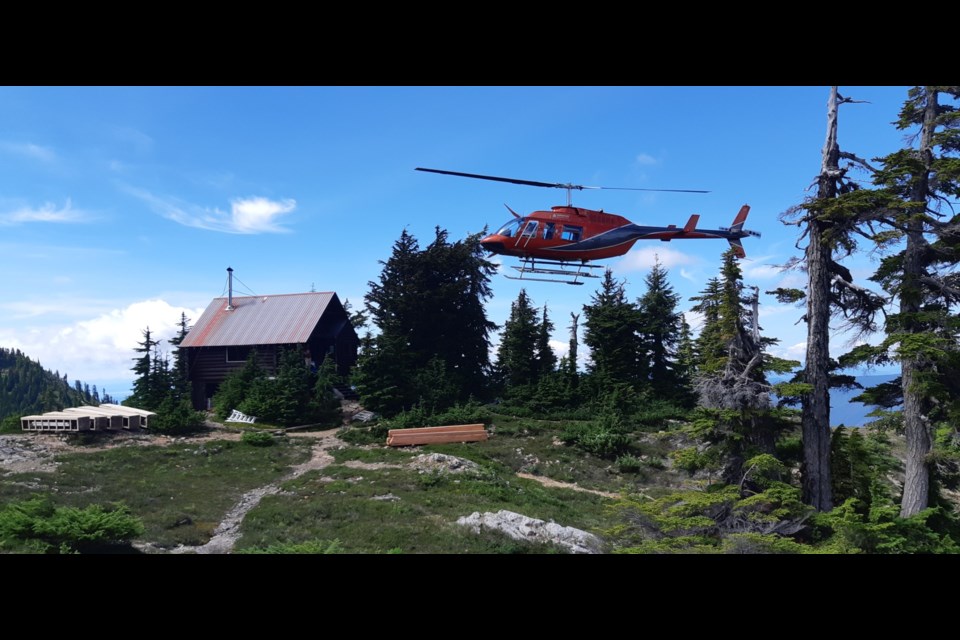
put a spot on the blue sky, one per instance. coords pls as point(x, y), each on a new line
point(122, 207)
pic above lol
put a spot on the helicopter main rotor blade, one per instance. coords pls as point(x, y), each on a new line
point(553, 185)
point(531, 183)
point(639, 189)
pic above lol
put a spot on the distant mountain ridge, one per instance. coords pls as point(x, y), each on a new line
point(27, 388)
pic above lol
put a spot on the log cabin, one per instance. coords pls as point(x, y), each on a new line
point(234, 326)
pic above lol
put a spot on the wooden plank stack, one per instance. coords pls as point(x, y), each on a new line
point(436, 435)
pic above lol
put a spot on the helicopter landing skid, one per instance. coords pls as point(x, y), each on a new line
point(533, 267)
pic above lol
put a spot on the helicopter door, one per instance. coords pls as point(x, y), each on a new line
point(528, 232)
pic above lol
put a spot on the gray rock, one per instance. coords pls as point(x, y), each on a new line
point(521, 527)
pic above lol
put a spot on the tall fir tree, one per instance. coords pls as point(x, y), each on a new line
point(428, 307)
point(916, 188)
point(611, 333)
point(179, 373)
point(546, 358)
point(830, 222)
point(659, 330)
point(516, 364)
point(144, 370)
point(732, 377)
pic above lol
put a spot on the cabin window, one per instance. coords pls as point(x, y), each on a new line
point(571, 233)
point(238, 354)
point(548, 230)
point(530, 229)
point(509, 229)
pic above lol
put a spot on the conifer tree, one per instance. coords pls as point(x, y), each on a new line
point(517, 364)
point(659, 331)
point(428, 307)
point(546, 358)
point(830, 222)
point(144, 369)
point(179, 374)
point(611, 333)
point(914, 207)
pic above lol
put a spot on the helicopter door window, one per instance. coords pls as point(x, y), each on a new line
point(529, 232)
point(548, 230)
point(571, 233)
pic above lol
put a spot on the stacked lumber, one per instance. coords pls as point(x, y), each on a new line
point(436, 435)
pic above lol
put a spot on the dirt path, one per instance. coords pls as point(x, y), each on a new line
point(548, 482)
point(227, 533)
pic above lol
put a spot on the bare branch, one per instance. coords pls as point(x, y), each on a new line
point(846, 155)
point(941, 286)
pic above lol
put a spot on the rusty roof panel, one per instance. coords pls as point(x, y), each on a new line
point(282, 319)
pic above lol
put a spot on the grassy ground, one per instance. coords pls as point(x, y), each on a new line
point(180, 491)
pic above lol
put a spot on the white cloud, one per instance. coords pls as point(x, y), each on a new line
point(49, 212)
point(643, 259)
point(100, 348)
point(256, 215)
point(29, 150)
point(247, 215)
point(646, 159)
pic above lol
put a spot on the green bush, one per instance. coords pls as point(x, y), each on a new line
point(176, 417)
point(599, 439)
point(258, 438)
point(417, 416)
point(38, 524)
point(691, 460)
point(10, 424)
point(629, 464)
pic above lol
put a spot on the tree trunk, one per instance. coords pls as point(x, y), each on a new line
point(916, 484)
point(815, 418)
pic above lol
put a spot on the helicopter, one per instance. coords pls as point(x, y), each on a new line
point(553, 243)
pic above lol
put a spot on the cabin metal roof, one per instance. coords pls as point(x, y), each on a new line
point(280, 319)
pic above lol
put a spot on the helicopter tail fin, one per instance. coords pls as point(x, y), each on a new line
point(737, 226)
point(737, 247)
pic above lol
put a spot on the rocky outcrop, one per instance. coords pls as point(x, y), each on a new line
point(521, 527)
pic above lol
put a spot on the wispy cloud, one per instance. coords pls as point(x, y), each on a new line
point(246, 216)
point(645, 159)
point(49, 212)
point(29, 150)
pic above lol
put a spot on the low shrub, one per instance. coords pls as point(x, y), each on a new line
point(258, 438)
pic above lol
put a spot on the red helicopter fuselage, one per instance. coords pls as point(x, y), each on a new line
point(574, 234)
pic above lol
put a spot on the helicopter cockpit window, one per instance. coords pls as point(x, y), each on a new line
point(530, 229)
point(571, 233)
point(548, 230)
point(509, 229)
